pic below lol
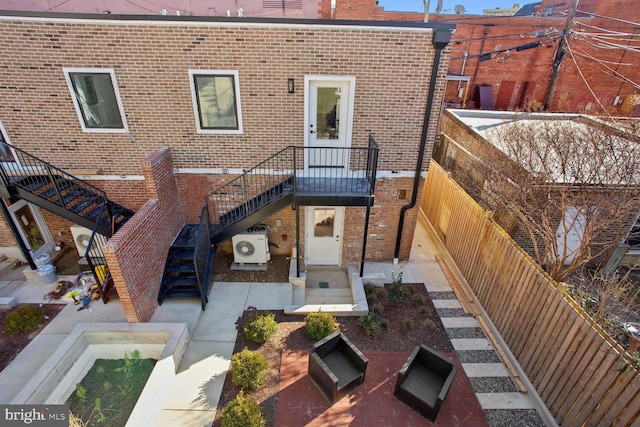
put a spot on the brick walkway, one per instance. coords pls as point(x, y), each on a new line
point(300, 402)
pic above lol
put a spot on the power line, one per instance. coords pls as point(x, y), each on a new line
point(587, 83)
point(610, 17)
point(58, 5)
point(616, 73)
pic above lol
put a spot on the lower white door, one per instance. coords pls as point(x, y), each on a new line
point(324, 226)
point(32, 228)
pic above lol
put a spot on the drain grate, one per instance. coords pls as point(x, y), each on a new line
point(323, 284)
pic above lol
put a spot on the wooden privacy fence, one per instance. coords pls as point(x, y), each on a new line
point(577, 369)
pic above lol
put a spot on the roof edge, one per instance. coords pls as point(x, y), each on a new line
point(224, 20)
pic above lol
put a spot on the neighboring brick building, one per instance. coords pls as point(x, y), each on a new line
point(503, 53)
point(140, 84)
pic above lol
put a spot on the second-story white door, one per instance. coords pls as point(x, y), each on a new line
point(328, 121)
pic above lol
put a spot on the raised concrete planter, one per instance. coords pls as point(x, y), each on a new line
point(57, 378)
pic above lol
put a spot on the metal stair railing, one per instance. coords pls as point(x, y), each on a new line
point(94, 255)
point(201, 251)
point(322, 169)
point(27, 171)
point(257, 181)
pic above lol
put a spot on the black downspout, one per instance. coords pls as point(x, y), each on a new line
point(23, 247)
point(441, 39)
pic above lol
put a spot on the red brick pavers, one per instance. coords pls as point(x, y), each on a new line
point(300, 402)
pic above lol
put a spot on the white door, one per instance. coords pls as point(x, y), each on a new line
point(32, 228)
point(324, 235)
point(328, 121)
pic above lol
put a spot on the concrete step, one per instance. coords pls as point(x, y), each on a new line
point(335, 309)
point(328, 296)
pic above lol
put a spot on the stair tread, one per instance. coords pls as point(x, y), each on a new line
point(181, 253)
point(181, 268)
point(173, 281)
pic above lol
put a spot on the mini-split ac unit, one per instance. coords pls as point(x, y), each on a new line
point(251, 247)
point(81, 236)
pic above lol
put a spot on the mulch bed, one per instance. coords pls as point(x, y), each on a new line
point(398, 337)
point(11, 346)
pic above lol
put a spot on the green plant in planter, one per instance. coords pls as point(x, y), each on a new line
point(261, 327)
point(23, 319)
point(319, 325)
point(247, 368)
point(130, 361)
point(373, 323)
point(242, 412)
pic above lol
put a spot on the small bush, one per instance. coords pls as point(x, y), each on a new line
point(261, 327)
point(319, 325)
point(23, 319)
point(373, 324)
point(408, 324)
point(377, 309)
point(242, 412)
point(429, 325)
point(374, 293)
point(418, 299)
point(247, 368)
point(425, 311)
point(397, 293)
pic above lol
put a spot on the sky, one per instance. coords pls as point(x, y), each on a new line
point(473, 7)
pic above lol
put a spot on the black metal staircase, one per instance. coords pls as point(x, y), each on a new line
point(27, 177)
point(322, 176)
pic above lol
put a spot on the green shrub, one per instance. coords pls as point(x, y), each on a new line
point(261, 327)
point(374, 293)
point(408, 324)
point(23, 319)
point(242, 412)
point(319, 325)
point(373, 323)
point(429, 325)
point(377, 309)
point(247, 368)
point(425, 311)
point(418, 299)
point(397, 293)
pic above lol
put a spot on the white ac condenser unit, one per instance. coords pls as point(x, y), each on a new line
point(251, 247)
point(81, 236)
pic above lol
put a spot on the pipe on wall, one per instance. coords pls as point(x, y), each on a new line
point(441, 38)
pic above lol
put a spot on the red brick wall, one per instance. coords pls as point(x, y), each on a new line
point(136, 254)
point(529, 71)
point(151, 64)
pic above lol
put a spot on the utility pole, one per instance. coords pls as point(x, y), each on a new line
point(559, 56)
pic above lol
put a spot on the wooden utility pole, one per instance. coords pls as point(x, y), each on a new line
point(559, 56)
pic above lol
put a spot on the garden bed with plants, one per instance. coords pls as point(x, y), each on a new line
point(109, 391)
point(20, 325)
point(401, 317)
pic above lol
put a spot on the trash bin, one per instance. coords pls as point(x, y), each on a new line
point(47, 274)
point(42, 260)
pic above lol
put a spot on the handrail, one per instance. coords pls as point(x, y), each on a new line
point(292, 170)
point(202, 247)
point(18, 168)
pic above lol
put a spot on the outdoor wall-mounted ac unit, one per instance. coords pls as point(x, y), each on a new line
point(251, 247)
point(81, 236)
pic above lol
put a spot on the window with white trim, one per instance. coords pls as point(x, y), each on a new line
point(6, 152)
point(216, 101)
point(96, 99)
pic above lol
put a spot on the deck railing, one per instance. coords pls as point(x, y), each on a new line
point(312, 170)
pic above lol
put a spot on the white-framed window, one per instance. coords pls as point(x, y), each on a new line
point(96, 99)
point(633, 238)
point(7, 154)
point(216, 101)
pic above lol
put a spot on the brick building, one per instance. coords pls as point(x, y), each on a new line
point(511, 57)
point(99, 96)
